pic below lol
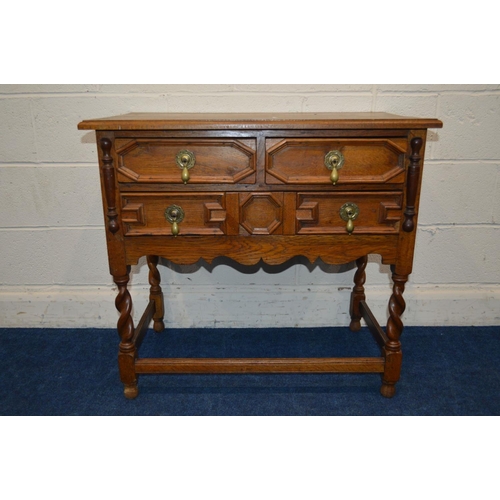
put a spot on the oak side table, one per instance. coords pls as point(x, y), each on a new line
point(335, 186)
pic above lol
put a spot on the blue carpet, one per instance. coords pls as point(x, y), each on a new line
point(446, 371)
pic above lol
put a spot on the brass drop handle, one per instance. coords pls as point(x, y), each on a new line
point(185, 160)
point(349, 212)
point(334, 161)
point(174, 214)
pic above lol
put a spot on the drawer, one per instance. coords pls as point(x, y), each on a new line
point(210, 160)
point(146, 214)
point(259, 213)
point(365, 161)
point(320, 213)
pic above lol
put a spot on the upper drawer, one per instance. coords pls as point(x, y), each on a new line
point(366, 161)
point(213, 161)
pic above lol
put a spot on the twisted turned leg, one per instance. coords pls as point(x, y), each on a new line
point(392, 348)
point(155, 293)
point(358, 293)
point(127, 351)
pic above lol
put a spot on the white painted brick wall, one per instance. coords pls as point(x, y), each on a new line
point(54, 269)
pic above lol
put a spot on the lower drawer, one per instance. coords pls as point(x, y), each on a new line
point(157, 214)
point(329, 213)
point(260, 213)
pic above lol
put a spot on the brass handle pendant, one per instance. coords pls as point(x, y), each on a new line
point(349, 212)
point(334, 160)
point(174, 214)
point(185, 160)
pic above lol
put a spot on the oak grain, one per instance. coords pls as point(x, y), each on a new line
point(260, 191)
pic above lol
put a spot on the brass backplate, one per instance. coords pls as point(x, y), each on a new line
point(174, 213)
point(334, 159)
point(185, 159)
point(349, 211)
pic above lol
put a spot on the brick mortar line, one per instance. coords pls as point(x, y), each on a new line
point(462, 225)
point(185, 94)
point(48, 165)
point(255, 92)
point(346, 93)
point(462, 161)
point(50, 228)
point(439, 92)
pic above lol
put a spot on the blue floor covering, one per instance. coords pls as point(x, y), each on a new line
point(446, 371)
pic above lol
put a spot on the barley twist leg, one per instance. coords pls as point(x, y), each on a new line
point(392, 349)
point(127, 351)
point(358, 293)
point(155, 293)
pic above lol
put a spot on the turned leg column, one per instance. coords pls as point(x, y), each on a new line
point(358, 293)
point(127, 351)
point(155, 293)
point(392, 349)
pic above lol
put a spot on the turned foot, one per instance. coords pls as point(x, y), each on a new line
point(130, 391)
point(355, 325)
point(388, 390)
point(158, 326)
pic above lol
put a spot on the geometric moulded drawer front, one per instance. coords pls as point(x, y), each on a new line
point(320, 213)
point(144, 214)
point(366, 161)
point(214, 160)
point(261, 213)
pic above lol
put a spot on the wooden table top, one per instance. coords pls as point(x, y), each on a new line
point(257, 121)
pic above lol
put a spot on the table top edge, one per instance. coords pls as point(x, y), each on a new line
point(257, 121)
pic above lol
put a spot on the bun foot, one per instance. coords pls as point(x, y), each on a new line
point(158, 326)
point(131, 391)
point(388, 390)
point(355, 326)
